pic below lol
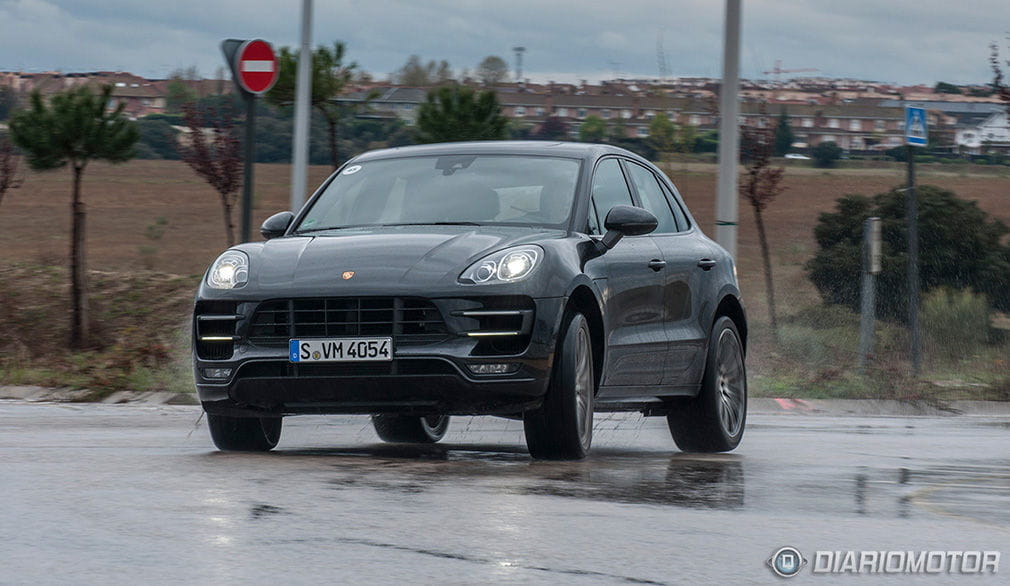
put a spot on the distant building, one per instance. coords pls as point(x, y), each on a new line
point(988, 134)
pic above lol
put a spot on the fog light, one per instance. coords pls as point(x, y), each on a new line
point(493, 368)
point(216, 372)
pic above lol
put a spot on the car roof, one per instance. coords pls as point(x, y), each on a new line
point(499, 147)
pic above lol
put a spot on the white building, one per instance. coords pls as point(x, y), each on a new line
point(993, 132)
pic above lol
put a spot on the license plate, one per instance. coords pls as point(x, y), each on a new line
point(341, 350)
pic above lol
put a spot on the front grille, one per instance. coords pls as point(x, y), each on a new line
point(410, 322)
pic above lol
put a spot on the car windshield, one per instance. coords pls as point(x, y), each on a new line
point(449, 189)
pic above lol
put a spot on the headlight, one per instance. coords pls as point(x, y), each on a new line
point(229, 271)
point(504, 266)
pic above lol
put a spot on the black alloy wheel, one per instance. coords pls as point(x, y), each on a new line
point(244, 434)
point(714, 420)
point(562, 427)
point(404, 429)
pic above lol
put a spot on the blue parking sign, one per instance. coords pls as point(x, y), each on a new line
point(916, 132)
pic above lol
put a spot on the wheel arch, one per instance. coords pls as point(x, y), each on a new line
point(583, 300)
point(731, 307)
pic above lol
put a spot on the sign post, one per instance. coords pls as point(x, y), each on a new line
point(254, 68)
point(871, 268)
point(916, 135)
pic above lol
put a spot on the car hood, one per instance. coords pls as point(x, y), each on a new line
point(420, 255)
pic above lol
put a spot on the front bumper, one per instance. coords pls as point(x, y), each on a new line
point(420, 379)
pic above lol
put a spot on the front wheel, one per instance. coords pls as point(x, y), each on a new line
point(714, 420)
point(244, 434)
point(402, 429)
point(562, 428)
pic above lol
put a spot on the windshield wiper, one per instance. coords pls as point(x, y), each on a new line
point(307, 230)
point(433, 224)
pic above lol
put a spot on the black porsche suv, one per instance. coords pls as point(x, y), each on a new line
point(542, 281)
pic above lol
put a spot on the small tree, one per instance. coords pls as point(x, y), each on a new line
point(329, 78)
point(460, 113)
point(593, 129)
point(9, 177)
point(826, 153)
point(943, 87)
point(178, 90)
point(553, 128)
point(492, 70)
point(760, 186)
point(415, 73)
point(217, 160)
point(74, 128)
point(784, 137)
point(662, 136)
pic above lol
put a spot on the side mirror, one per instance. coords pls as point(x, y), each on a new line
point(277, 224)
point(627, 221)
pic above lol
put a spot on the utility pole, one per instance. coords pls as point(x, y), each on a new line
point(303, 93)
point(726, 203)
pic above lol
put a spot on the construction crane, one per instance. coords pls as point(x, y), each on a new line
point(778, 71)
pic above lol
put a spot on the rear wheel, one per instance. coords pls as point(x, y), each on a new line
point(714, 420)
point(244, 434)
point(403, 429)
point(562, 428)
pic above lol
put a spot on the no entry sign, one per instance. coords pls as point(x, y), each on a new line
point(256, 66)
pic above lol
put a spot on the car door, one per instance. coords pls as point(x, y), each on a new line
point(682, 276)
point(632, 293)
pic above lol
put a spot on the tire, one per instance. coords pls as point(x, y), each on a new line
point(403, 429)
point(562, 427)
point(714, 420)
point(244, 434)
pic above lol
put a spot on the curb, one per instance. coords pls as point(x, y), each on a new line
point(36, 394)
point(763, 406)
point(869, 407)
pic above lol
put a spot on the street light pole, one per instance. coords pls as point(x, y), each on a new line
point(303, 91)
point(726, 203)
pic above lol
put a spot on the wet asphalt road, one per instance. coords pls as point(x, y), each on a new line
point(133, 494)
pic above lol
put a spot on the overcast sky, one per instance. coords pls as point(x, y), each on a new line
point(903, 41)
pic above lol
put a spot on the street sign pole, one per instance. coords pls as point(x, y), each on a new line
point(916, 134)
point(912, 213)
point(868, 310)
point(254, 70)
point(249, 150)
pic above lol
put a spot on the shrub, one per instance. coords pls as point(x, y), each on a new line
point(956, 323)
point(960, 247)
point(826, 153)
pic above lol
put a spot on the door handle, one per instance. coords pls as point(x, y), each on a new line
point(657, 265)
point(706, 263)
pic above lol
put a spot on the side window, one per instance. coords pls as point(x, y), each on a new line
point(653, 198)
point(682, 222)
point(609, 190)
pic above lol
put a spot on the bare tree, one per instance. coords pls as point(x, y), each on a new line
point(997, 82)
point(9, 177)
point(759, 187)
point(213, 151)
